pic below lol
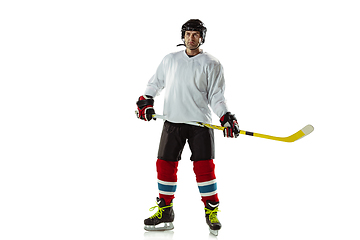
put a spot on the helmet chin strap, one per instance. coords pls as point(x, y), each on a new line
point(196, 47)
point(183, 44)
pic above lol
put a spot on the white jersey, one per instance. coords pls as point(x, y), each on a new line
point(191, 85)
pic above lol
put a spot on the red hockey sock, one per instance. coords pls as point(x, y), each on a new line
point(206, 180)
point(167, 179)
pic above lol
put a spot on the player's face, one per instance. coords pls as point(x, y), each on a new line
point(192, 39)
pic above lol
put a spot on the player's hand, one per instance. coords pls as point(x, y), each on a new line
point(230, 123)
point(145, 108)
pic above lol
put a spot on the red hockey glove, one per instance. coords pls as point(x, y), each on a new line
point(229, 121)
point(145, 108)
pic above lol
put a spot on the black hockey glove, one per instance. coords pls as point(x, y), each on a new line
point(145, 108)
point(230, 123)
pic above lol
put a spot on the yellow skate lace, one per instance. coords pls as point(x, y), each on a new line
point(158, 214)
point(212, 215)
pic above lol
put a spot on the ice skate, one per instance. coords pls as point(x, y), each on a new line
point(211, 211)
point(162, 219)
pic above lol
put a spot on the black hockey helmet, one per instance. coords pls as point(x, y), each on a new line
point(194, 25)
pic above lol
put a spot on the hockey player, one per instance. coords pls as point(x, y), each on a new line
point(193, 80)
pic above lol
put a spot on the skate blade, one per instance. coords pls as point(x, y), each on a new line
point(160, 227)
point(214, 232)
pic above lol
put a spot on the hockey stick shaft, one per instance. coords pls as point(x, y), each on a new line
point(296, 136)
point(292, 138)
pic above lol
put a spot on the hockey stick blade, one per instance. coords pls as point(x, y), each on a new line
point(292, 138)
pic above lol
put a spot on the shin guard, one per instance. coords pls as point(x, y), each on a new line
point(206, 180)
point(167, 179)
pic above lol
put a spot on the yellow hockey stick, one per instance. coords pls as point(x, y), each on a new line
point(292, 138)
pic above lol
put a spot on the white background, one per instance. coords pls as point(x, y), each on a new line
point(75, 163)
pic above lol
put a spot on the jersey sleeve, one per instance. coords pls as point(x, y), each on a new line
point(157, 82)
point(216, 90)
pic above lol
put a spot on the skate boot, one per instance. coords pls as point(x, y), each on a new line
point(211, 211)
point(162, 219)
